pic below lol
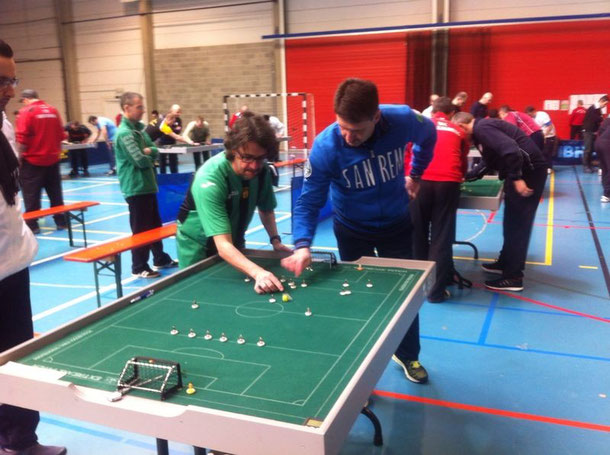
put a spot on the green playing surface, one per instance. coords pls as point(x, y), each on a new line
point(483, 187)
point(299, 374)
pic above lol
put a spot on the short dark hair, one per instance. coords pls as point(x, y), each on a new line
point(251, 128)
point(356, 100)
point(462, 117)
point(603, 98)
point(462, 95)
point(493, 113)
point(154, 112)
point(128, 97)
point(443, 104)
point(505, 108)
point(5, 50)
point(529, 109)
point(92, 119)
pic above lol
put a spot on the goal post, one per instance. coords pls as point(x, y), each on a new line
point(295, 110)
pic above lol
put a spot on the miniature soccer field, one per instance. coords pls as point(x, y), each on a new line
point(298, 374)
point(482, 187)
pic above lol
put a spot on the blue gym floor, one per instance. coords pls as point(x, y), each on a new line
point(510, 373)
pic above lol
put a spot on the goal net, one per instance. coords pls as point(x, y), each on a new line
point(294, 110)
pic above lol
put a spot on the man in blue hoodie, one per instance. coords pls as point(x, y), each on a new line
point(361, 158)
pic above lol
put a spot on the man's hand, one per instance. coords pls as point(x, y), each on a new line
point(279, 246)
point(147, 151)
point(267, 282)
point(522, 188)
point(412, 187)
point(296, 263)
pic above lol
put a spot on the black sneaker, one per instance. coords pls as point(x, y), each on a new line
point(505, 284)
point(169, 265)
point(414, 371)
point(86, 174)
point(442, 298)
point(148, 274)
point(73, 173)
point(492, 267)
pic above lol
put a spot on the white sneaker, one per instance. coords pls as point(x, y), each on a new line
point(149, 274)
point(605, 199)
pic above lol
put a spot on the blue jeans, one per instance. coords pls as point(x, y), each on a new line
point(394, 242)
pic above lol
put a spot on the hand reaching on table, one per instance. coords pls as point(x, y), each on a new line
point(297, 262)
point(266, 282)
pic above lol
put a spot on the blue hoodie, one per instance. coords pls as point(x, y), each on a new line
point(367, 184)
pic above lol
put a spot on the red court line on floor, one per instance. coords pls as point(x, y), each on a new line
point(548, 305)
point(492, 411)
point(491, 216)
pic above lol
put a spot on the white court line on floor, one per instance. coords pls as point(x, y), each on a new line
point(69, 286)
point(76, 301)
point(260, 226)
point(70, 190)
point(46, 236)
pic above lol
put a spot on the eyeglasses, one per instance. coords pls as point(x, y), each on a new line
point(6, 82)
point(251, 158)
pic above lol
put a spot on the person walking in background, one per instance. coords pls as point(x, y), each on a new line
point(480, 109)
point(107, 129)
point(77, 134)
point(576, 119)
point(39, 134)
point(590, 125)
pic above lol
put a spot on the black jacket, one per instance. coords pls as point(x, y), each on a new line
point(593, 118)
point(506, 149)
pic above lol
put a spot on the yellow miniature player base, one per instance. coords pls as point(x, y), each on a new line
point(359, 268)
point(190, 389)
point(286, 297)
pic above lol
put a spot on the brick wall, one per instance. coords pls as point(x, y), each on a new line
point(196, 78)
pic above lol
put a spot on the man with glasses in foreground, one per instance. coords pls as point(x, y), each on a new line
point(222, 198)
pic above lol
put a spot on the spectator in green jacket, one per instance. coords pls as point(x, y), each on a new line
point(135, 155)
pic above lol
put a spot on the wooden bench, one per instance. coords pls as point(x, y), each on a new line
point(80, 207)
point(108, 255)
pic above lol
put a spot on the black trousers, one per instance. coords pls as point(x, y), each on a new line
point(144, 215)
point(433, 213)
point(549, 149)
point(197, 158)
point(538, 138)
point(589, 140)
point(575, 131)
point(391, 243)
point(602, 148)
point(17, 425)
point(33, 179)
point(519, 213)
point(75, 156)
point(173, 163)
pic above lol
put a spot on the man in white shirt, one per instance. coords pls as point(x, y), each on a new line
point(548, 130)
point(276, 124)
point(428, 111)
point(17, 248)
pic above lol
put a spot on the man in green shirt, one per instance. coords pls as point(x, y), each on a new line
point(135, 155)
point(222, 198)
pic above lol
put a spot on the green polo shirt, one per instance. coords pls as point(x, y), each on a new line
point(218, 193)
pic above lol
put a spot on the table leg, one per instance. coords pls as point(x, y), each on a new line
point(69, 223)
point(117, 275)
point(199, 451)
point(162, 447)
point(97, 283)
point(378, 439)
point(472, 245)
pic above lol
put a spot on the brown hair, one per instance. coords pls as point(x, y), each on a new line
point(443, 104)
point(356, 100)
point(462, 117)
point(251, 128)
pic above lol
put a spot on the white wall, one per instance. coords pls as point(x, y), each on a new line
point(29, 27)
point(468, 10)
point(322, 15)
point(109, 55)
point(209, 27)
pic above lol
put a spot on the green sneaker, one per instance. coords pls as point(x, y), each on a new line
point(414, 371)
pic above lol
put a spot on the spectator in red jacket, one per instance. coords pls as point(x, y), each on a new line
point(39, 135)
point(433, 211)
point(237, 115)
point(577, 118)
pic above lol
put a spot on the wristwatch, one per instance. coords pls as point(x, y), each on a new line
point(275, 237)
point(415, 178)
